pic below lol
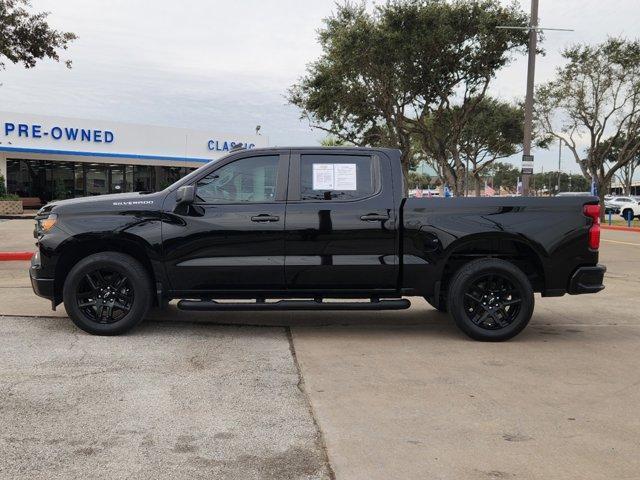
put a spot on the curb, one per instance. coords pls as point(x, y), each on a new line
point(10, 256)
point(17, 217)
point(618, 227)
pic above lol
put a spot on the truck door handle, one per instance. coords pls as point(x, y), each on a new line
point(265, 217)
point(374, 217)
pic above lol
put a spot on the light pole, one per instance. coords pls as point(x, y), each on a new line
point(533, 28)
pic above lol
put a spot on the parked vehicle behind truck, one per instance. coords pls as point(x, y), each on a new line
point(292, 227)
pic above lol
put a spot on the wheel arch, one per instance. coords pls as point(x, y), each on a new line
point(523, 253)
point(81, 247)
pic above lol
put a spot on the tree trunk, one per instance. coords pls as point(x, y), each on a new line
point(460, 171)
point(478, 184)
point(601, 185)
point(405, 171)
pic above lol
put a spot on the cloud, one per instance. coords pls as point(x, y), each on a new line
point(226, 65)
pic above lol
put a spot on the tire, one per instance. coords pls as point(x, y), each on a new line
point(96, 283)
point(626, 213)
point(441, 308)
point(474, 288)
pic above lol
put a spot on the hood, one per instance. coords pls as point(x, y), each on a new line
point(115, 201)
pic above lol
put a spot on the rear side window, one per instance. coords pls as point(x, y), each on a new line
point(337, 177)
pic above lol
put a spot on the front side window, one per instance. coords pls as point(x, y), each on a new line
point(248, 180)
point(336, 177)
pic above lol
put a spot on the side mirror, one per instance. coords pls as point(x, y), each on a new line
point(186, 195)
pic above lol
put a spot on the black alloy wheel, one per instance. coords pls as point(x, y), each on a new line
point(490, 299)
point(105, 296)
point(107, 293)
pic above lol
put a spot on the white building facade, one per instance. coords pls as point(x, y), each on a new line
point(44, 158)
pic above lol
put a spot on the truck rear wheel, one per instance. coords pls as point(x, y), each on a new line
point(107, 293)
point(490, 299)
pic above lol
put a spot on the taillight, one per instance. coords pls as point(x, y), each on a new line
point(593, 212)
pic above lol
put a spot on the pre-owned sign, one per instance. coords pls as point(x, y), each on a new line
point(73, 134)
point(60, 136)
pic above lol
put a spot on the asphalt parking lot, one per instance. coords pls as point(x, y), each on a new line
point(314, 395)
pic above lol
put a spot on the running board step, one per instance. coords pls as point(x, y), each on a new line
point(212, 305)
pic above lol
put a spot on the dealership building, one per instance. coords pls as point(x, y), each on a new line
point(44, 158)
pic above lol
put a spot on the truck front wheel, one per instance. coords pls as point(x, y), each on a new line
point(490, 299)
point(107, 293)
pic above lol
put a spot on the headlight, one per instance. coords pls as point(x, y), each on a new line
point(48, 223)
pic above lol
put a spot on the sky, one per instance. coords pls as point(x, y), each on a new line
point(226, 66)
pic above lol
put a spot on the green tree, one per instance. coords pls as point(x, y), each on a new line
point(595, 98)
point(504, 175)
point(626, 173)
point(388, 76)
point(332, 142)
point(546, 183)
point(26, 37)
point(419, 180)
point(3, 188)
point(494, 131)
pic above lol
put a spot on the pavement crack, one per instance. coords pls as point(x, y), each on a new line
point(301, 386)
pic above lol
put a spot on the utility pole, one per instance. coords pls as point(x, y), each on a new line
point(533, 28)
point(527, 158)
point(559, 163)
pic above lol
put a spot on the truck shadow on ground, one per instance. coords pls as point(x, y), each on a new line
point(419, 321)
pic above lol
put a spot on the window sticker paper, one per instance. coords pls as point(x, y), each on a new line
point(345, 176)
point(323, 176)
point(334, 176)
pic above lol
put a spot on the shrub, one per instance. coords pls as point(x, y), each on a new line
point(9, 197)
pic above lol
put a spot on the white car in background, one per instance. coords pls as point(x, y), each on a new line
point(613, 204)
point(631, 206)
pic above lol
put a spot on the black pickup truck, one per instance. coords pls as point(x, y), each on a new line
point(290, 228)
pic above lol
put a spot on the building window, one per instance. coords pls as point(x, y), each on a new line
point(97, 179)
point(62, 179)
point(143, 178)
point(40, 179)
point(55, 180)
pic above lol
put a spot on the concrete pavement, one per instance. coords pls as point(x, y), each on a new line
point(395, 394)
point(167, 401)
point(561, 401)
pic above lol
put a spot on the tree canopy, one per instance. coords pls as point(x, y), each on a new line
point(388, 77)
point(595, 98)
point(493, 131)
point(26, 37)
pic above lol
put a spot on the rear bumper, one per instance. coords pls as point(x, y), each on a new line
point(587, 280)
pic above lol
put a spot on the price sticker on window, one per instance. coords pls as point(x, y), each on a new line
point(335, 176)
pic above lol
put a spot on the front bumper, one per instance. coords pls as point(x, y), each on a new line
point(43, 287)
point(587, 280)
